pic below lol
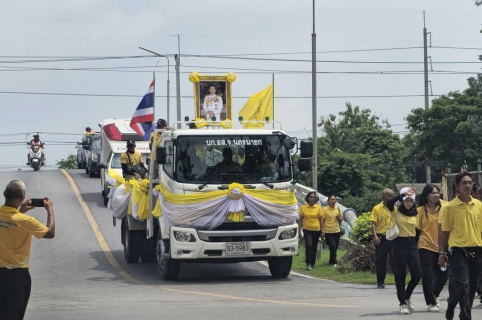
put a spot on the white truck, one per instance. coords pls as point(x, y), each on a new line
point(115, 133)
point(201, 162)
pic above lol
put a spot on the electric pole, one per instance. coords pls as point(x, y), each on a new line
point(313, 98)
point(428, 169)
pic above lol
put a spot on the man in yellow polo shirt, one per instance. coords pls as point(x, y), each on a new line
point(161, 124)
point(462, 231)
point(16, 230)
point(381, 222)
point(129, 159)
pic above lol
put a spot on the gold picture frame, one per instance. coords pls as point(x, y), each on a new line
point(207, 104)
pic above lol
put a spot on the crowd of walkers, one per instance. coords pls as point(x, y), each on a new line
point(435, 241)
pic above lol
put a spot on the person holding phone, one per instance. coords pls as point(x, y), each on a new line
point(16, 231)
point(311, 221)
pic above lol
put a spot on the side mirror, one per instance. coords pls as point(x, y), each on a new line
point(304, 164)
point(289, 143)
point(161, 155)
point(306, 149)
point(102, 165)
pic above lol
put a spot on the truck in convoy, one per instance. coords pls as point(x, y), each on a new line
point(221, 196)
point(114, 136)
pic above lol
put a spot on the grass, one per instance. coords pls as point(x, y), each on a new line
point(324, 271)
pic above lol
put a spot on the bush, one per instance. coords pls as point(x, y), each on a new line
point(360, 257)
point(362, 230)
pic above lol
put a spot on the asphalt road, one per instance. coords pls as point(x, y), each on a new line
point(73, 278)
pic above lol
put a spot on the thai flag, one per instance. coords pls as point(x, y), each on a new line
point(143, 117)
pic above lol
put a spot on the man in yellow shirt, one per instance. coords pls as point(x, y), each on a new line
point(129, 159)
point(462, 231)
point(16, 230)
point(381, 222)
point(161, 124)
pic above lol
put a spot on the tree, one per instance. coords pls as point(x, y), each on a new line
point(69, 163)
point(451, 129)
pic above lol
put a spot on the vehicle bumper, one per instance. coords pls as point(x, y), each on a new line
point(210, 251)
point(94, 168)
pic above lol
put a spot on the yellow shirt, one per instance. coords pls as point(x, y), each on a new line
point(16, 230)
point(428, 227)
point(381, 216)
point(330, 220)
point(464, 221)
point(311, 217)
point(158, 142)
point(406, 225)
point(240, 160)
point(131, 159)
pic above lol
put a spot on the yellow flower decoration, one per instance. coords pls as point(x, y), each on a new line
point(231, 77)
point(227, 124)
point(200, 123)
point(235, 191)
point(194, 77)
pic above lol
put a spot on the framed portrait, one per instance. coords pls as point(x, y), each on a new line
point(212, 98)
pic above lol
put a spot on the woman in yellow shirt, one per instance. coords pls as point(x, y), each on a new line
point(332, 216)
point(311, 221)
point(433, 278)
point(404, 247)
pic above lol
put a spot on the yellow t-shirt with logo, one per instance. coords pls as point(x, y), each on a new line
point(311, 217)
point(381, 216)
point(16, 230)
point(406, 225)
point(428, 226)
point(332, 224)
point(131, 158)
point(464, 221)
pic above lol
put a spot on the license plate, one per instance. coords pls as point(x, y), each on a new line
point(238, 248)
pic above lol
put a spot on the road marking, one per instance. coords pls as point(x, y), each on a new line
point(264, 263)
point(98, 234)
point(229, 297)
point(105, 248)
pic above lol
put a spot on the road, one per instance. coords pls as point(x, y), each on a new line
point(73, 277)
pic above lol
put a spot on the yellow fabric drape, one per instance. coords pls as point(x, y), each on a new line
point(236, 216)
point(257, 108)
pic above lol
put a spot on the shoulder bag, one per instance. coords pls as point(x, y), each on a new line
point(393, 232)
point(140, 170)
point(342, 228)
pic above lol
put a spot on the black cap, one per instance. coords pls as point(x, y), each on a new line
point(88, 129)
point(161, 122)
point(131, 143)
point(191, 125)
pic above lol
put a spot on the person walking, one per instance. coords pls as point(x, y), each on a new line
point(332, 216)
point(16, 230)
point(462, 231)
point(433, 278)
point(311, 221)
point(380, 219)
point(404, 247)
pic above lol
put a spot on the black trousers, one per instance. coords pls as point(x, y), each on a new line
point(405, 253)
point(433, 278)
point(333, 239)
point(15, 285)
point(466, 271)
point(382, 252)
point(452, 298)
point(311, 243)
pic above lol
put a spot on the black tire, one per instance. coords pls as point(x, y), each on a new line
point(91, 174)
point(106, 198)
point(280, 267)
point(168, 268)
point(86, 169)
point(79, 165)
point(148, 251)
point(132, 244)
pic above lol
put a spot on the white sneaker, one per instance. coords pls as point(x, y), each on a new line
point(433, 308)
point(410, 305)
point(437, 302)
point(335, 265)
point(404, 309)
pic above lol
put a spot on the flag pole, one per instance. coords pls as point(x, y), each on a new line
point(273, 99)
point(154, 96)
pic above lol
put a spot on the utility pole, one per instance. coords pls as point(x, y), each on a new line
point(428, 169)
point(178, 81)
point(313, 98)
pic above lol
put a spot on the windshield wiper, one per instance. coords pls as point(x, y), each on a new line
point(269, 185)
point(213, 177)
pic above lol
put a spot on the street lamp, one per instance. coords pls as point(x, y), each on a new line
point(168, 82)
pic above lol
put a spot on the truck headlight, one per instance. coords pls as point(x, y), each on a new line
point(94, 157)
point(184, 236)
point(287, 234)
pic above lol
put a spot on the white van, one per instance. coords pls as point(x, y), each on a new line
point(115, 134)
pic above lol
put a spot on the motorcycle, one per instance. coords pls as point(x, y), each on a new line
point(35, 156)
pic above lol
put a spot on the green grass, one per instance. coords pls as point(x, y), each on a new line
point(324, 271)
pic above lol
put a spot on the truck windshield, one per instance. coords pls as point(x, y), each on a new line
point(242, 158)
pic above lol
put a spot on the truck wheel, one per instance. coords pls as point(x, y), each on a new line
point(132, 244)
point(148, 251)
point(86, 169)
point(280, 267)
point(79, 165)
point(168, 268)
point(91, 174)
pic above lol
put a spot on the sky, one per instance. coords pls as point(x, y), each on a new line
point(42, 92)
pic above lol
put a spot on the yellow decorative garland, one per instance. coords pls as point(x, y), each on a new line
point(200, 123)
point(227, 124)
point(235, 191)
point(231, 77)
point(194, 77)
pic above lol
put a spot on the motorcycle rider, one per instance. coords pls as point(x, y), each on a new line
point(36, 142)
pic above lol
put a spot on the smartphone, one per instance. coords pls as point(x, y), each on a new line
point(37, 202)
